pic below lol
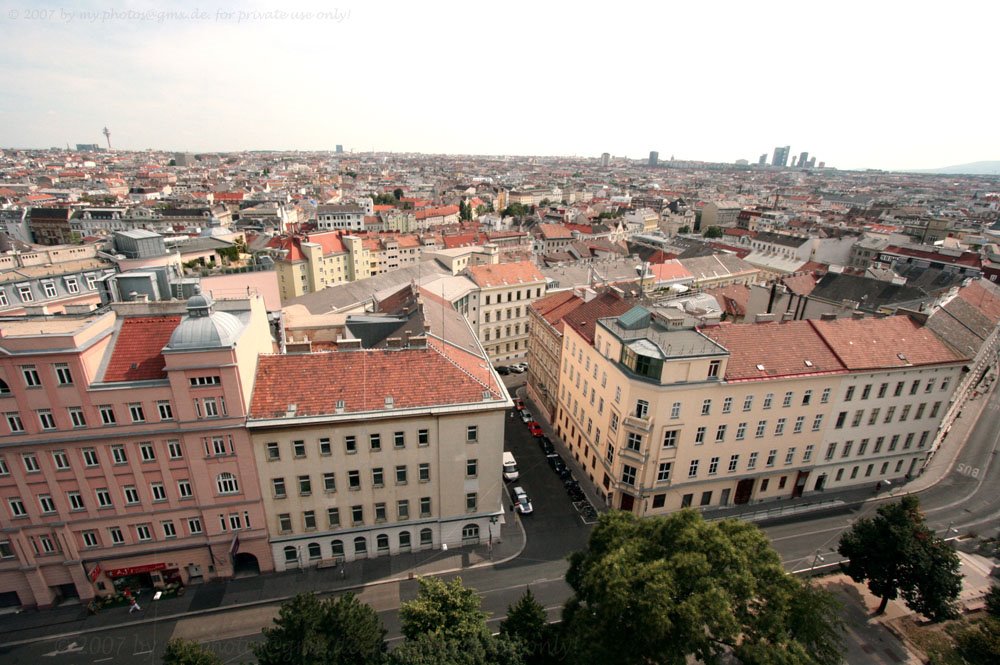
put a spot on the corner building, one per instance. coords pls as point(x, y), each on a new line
point(664, 419)
point(124, 460)
point(372, 452)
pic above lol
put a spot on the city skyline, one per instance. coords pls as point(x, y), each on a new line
point(527, 81)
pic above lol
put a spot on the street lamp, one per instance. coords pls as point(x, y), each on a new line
point(818, 558)
point(493, 520)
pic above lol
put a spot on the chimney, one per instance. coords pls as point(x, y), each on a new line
point(787, 316)
point(37, 310)
point(393, 342)
point(857, 315)
point(828, 316)
point(765, 318)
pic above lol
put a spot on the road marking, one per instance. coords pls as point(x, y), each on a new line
point(809, 533)
point(72, 647)
point(102, 660)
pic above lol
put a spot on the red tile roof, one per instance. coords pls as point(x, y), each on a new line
point(895, 341)
point(669, 270)
point(966, 259)
point(436, 212)
point(801, 284)
point(554, 231)
point(315, 382)
point(138, 349)
point(584, 318)
point(329, 241)
point(982, 298)
point(554, 307)
point(501, 274)
point(782, 349)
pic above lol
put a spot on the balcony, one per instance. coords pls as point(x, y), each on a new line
point(640, 424)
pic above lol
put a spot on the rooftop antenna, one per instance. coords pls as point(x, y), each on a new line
point(107, 135)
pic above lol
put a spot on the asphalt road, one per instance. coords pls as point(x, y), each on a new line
point(964, 501)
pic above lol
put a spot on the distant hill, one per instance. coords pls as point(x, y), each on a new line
point(973, 168)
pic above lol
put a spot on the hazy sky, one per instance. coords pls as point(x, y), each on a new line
point(879, 83)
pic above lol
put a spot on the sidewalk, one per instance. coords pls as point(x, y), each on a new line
point(224, 595)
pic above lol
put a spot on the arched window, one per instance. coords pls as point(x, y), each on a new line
point(314, 551)
point(291, 554)
point(227, 483)
point(337, 547)
point(470, 532)
point(404, 540)
point(360, 545)
point(426, 537)
point(382, 542)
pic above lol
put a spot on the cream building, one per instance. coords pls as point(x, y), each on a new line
point(499, 312)
point(663, 419)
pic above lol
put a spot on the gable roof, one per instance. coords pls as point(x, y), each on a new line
point(894, 341)
point(790, 348)
point(505, 274)
point(584, 318)
point(138, 349)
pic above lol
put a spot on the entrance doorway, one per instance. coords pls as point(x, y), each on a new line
point(820, 482)
point(627, 502)
point(245, 565)
point(800, 484)
point(744, 489)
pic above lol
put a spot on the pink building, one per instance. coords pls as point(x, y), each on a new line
point(124, 457)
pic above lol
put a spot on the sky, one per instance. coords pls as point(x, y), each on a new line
point(873, 84)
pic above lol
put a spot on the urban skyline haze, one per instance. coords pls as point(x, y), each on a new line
point(858, 85)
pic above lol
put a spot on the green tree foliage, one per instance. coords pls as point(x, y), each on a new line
point(335, 631)
point(661, 590)
point(438, 649)
point(713, 232)
point(684, 229)
point(185, 652)
point(527, 623)
point(979, 643)
point(993, 602)
point(397, 193)
point(384, 200)
point(464, 211)
point(516, 210)
point(900, 556)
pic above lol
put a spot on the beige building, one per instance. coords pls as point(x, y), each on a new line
point(361, 456)
point(663, 419)
point(505, 291)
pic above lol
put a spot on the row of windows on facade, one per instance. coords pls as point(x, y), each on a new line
point(512, 295)
point(325, 447)
point(509, 313)
point(26, 295)
point(226, 484)
point(357, 514)
point(496, 332)
point(64, 377)
point(314, 552)
point(205, 407)
point(214, 446)
point(665, 469)
point(329, 478)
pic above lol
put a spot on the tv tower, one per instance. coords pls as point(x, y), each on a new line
point(107, 135)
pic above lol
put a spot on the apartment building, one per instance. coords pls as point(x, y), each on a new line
point(505, 292)
point(50, 279)
point(361, 455)
point(664, 419)
point(124, 460)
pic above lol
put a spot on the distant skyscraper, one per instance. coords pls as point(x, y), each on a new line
point(763, 160)
point(780, 158)
point(605, 158)
point(654, 158)
point(812, 162)
point(107, 135)
point(804, 160)
point(793, 162)
point(340, 149)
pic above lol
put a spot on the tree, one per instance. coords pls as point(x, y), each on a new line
point(713, 232)
point(665, 589)
point(516, 210)
point(397, 193)
point(993, 602)
point(979, 643)
point(900, 556)
point(310, 631)
point(185, 652)
point(438, 649)
point(684, 229)
point(527, 623)
point(464, 211)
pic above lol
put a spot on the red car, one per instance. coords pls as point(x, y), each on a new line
point(535, 428)
point(519, 404)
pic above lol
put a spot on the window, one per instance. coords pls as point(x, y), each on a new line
point(706, 407)
point(817, 422)
point(734, 461)
point(184, 489)
point(284, 522)
point(401, 474)
point(800, 421)
point(378, 477)
point(273, 453)
point(90, 539)
point(727, 405)
point(899, 389)
point(779, 427)
point(686, 500)
point(198, 381)
point(889, 413)
point(131, 494)
point(923, 439)
point(914, 387)
point(305, 486)
point(713, 369)
point(850, 394)
point(628, 474)
point(65, 378)
point(350, 444)
point(613, 425)
point(841, 418)
point(4, 470)
point(945, 382)
point(720, 434)
point(147, 452)
point(675, 410)
point(324, 447)
point(787, 401)
point(699, 436)
point(920, 411)
point(403, 510)
point(808, 453)
point(761, 429)
point(858, 416)
point(4, 302)
point(46, 503)
point(771, 454)
point(935, 409)
point(831, 450)
point(472, 433)
point(425, 506)
point(31, 378)
point(135, 410)
point(790, 456)
point(329, 482)
point(118, 455)
point(741, 431)
point(226, 482)
point(426, 537)
point(713, 466)
point(76, 417)
point(107, 414)
point(424, 472)
point(46, 420)
point(633, 441)
point(174, 449)
point(471, 468)
point(50, 289)
point(30, 463)
point(357, 515)
point(663, 472)
point(375, 442)
point(423, 437)
point(103, 498)
point(670, 438)
point(158, 491)
point(641, 408)
point(299, 449)
point(194, 525)
point(825, 396)
point(905, 413)
point(752, 461)
point(60, 460)
point(117, 537)
point(807, 397)
point(17, 508)
point(354, 480)
point(768, 398)
point(24, 293)
point(693, 468)
point(333, 517)
point(309, 520)
point(14, 422)
point(748, 402)
point(471, 502)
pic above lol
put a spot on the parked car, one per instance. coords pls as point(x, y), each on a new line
point(519, 404)
point(547, 447)
point(535, 429)
point(526, 416)
point(519, 368)
point(522, 504)
point(503, 370)
point(509, 466)
point(556, 463)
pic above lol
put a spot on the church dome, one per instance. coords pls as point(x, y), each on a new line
point(203, 327)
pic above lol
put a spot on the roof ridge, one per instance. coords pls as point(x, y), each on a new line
point(441, 353)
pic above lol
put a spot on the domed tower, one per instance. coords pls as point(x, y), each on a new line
point(204, 328)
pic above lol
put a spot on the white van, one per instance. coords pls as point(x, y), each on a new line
point(509, 467)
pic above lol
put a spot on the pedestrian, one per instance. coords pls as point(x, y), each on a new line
point(135, 607)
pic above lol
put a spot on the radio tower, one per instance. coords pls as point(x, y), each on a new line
point(107, 135)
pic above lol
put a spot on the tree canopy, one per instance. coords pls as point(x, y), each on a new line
point(516, 210)
point(665, 588)
point(900, 556)
point(185, 652)
point(713, 232)
point(335, 631)
point(528, 624)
